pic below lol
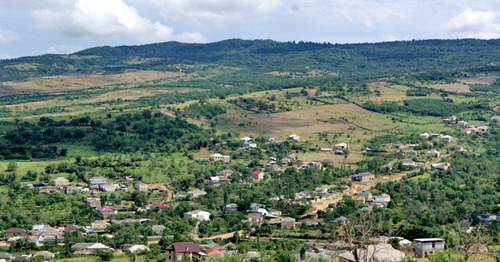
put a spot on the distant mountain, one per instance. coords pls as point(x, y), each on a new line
point(268, 55)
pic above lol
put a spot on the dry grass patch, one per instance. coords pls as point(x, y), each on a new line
point(78, 82)
point(487, 80)
point(459, 87)
point(24, 66)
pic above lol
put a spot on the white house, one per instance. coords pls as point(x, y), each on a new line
point(198, 215)
point(293, 137)
point(441, 166)
point(446, 138)
point(425, 135)
point(245, 139)
point(341, 146)
point(219, 157)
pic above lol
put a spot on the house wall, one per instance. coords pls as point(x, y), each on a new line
point(423, 248)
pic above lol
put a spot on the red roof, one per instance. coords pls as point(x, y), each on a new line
point(14, 230)
point(70, 228)
point(257, 172)
point(185, 247)
point(159, 206)
point(106, 209)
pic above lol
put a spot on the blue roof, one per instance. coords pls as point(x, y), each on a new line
point(363, 193)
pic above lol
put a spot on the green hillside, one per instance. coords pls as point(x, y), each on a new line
point(268, 55)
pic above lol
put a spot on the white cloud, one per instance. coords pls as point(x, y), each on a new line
point(7, 36)
point(109, 18)
point(64, 49)
point(475, 23)
point(215, 12)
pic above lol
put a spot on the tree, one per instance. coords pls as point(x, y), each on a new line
point(471, 238)
point(357, 232)
point(104, 256)
point(12, 166)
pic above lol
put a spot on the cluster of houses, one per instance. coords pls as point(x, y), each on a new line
point(467, 128)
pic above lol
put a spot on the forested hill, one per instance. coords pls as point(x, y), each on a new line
point(268, 55)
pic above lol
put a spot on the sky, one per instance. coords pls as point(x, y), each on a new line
point(35, 27)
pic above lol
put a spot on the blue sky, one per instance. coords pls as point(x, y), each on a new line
point(34, 27)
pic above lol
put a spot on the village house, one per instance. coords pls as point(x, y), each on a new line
point(462, 123)
point(495, 119)
point(433, 153)
point(139, 186)
point(157, 228)
point(425, 135)
point(97, 181)
point(42, 233)
point(137, 248)
point(219, 157)
point(487, 217)
point(339, 152)
point(287, 223)
point(468, 131)
point(231, 207)
point(88, 248)
point(324, 188)
point(341, 146)
point(99, 225)
point(388, 166)
point(198, 215)
point(363, 177)
point(383, 199)
point(428, 246)
point(107, 211)
point(73, 190)
point(245, 139)
point(446, 138)
point(399, 146)
point(421, 164)
point(411, 153)
point(254, 218)
point(225, 173)
point(365, 194)
point(441, 166)
point(60, 181)
point(274, 212)
point(270, 138)
point(457, 148)
point(275, 168)
point(288, 159)
point(179, 250)
point(257, 175)
point(196, 193)
point(293, 137)
point(108, 187)
point(409, 162)
point(315, 165)
point(450, 119)
point(70, 228)
point(93, 202)
point(14, 232)
point(326, 162)
point(159, 206)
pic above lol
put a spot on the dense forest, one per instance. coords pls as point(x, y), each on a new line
point(267, 55)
